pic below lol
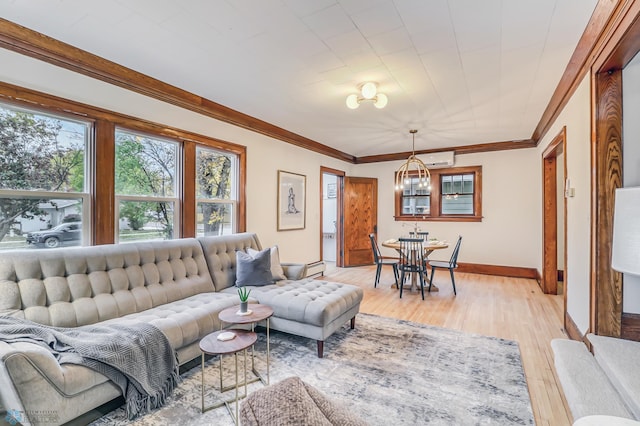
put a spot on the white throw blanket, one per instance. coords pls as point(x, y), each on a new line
point(138, 358)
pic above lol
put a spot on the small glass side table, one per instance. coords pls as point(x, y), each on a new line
point(258, 313)
point(210, 345)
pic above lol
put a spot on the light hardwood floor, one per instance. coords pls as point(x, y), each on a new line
point(509, 308)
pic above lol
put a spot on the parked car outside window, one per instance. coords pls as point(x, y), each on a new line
point(63, 234)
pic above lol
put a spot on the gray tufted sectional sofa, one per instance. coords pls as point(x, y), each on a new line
point(179, 286)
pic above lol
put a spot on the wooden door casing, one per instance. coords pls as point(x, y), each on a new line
point(360, 219)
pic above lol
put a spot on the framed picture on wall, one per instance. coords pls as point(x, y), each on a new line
point(292, 200)
point(331, 190)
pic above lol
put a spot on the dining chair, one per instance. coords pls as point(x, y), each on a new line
point(450, 265)
point(380, 261)
point(412, 260)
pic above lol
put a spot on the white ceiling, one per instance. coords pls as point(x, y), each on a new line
point(461, 71)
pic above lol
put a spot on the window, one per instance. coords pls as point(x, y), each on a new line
point(146, 182)
point(216, 192)
point(454, 195)
point(115, 177)
point(44, 202)
point(415, 200)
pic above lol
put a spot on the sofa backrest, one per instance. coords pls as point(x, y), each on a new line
point(220, 253)
point(75, 286)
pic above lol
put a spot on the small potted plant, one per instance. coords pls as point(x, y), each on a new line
point(244, 293)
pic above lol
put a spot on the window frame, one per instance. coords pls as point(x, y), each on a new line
point(100, 160)
point(176, 199)
point(89, 164)
point(435, 205)
point(233, 201)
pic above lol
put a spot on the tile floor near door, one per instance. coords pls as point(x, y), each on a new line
point(510, 308)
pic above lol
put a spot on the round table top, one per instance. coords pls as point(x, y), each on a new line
point(210, 344)
point(428, 246)
point(258, 313)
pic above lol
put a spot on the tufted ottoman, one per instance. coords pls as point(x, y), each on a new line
point(309, 308)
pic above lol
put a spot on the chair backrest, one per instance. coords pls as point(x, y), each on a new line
point(411, 252)
point(423, 235)
point(454, 256)
point(376, 250)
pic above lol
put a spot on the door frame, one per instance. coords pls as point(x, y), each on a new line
point(339, 174)
point(549, 279)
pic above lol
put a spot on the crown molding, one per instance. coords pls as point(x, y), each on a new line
point(605, 12)
point(31, 43)
point(458, 150)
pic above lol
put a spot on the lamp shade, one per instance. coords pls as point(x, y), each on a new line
point(626, 231)
point(369, 90)
point(381, 100)
point(352, 101)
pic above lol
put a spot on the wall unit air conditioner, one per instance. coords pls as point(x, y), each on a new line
point(438, 159)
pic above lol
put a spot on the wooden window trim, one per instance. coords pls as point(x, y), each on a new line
point(103, 153)
point(435, 214)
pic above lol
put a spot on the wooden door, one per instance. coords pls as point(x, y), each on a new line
point(360, 219)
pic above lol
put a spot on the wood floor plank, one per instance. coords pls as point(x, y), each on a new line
point(509, 308)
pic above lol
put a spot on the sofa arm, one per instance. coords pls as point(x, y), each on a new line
point(294, 271)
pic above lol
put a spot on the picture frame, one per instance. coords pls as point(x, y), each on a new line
point(331, 190)
point(292, 201)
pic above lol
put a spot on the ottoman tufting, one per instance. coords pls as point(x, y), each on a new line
point(310, 308)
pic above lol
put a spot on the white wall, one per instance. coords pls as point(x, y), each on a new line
point(631, 162)
point(264, 155)
point(509, 233)
point(576, 116)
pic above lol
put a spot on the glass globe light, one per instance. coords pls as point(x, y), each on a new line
point(369, 90)
point(381, 101)
point(352, 101)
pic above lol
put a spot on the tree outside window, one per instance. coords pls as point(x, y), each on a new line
point(42, 176)
point(146, 186)
point(215, 192)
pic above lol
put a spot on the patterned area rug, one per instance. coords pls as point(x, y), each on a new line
point(386, 371)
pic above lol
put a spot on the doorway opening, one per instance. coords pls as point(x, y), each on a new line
point(331, 195)
point(556, 188)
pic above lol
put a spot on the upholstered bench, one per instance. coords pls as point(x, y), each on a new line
point(309, 308)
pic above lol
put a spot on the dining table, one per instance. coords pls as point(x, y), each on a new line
point(429, 247)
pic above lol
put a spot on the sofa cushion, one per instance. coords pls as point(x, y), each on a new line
point(253, 271)
point(276, 268)
point(580, 376)
point(220, 253)
point(308, 301)
point(185, 321)
point(76, 286)
point(620, 360)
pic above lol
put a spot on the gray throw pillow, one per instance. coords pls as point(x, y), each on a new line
point(253, 270)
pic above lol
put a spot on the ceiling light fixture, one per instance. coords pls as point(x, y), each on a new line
point(368, 92)
point(410, 168)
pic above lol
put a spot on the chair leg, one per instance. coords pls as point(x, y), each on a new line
point(422, 283)
point(395, 274)
point(378, 269)
point(453, 281)
point(320, 348)
point(401, 283)
point(433, 270)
